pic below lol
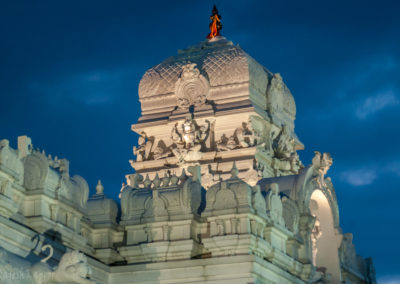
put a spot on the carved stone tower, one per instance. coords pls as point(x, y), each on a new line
point(218, 179)
point(210, 105)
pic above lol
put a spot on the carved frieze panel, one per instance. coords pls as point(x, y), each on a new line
point(244, 136)
point(189, 138)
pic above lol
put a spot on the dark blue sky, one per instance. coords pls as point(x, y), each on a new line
point(69, 74)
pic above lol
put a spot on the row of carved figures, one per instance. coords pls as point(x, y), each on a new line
point(190, 137)
point(167, 180)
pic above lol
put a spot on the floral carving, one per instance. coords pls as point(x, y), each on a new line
point(192, 88)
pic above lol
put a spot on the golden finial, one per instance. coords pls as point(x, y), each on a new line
point(215, 25)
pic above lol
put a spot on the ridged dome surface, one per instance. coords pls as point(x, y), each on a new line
point(221, 62)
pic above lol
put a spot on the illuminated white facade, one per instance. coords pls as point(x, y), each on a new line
point(219, 194)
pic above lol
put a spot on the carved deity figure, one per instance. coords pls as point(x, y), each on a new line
point(142, 152)
point(227, 143)
point(242, 137)
point(189, 138)
point(245, 135)
point(161, 150)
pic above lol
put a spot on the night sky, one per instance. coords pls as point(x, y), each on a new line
point(69, 75)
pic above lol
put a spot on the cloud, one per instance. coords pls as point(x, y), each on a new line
point(367, 175)
point(390, 279)
point(359, 177)
point(376, 103)
point(393, 167)
point(358, 89)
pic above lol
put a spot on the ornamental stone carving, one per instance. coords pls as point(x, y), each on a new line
point(224, 198)
point(192, 88)
point(258, 201)
point(223, 62)
point(279, 99)
point(274, 205)
point(234, 196)
point(41, 172)
point(75, 189)
point(36, 168)
point(290, 214)
point(161, 199)
point(10, 161)
point(209, 178)
point(189, 138)
point(72, 268)
point(251, 176)
point(143, 151)
point(321, 165)
point(161, 150)
point(243, 137)
point(286, 160)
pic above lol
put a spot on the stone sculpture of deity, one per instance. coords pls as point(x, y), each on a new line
point(189, 138)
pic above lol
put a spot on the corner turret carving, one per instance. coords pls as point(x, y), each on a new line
point(321, 165)
point(286, 159)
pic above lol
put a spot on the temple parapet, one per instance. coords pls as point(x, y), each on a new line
point(162, 199)
point(38, 190)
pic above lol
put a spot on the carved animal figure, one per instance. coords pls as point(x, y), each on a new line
point(321, 165)
point(72, 268)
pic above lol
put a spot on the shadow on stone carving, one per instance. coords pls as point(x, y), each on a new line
point(51, 237)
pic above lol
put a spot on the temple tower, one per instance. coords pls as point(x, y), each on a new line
point(210, 105)
point(218, 182)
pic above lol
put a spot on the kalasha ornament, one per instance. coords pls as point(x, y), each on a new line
point(215, 25)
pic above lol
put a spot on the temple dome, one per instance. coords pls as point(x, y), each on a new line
point(222, 62)
point(231, 76)
point(100, 208)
